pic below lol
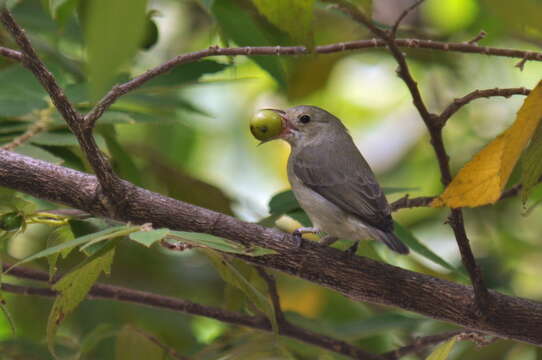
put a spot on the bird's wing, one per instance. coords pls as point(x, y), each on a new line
point(345, 179)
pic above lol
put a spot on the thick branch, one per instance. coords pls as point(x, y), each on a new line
point(118, 293)
point(358, 278)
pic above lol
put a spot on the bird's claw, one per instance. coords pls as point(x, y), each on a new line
point(298, 239)
point(351, 251)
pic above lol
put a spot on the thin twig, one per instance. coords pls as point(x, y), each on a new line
point(114, 192)
point(403, 16)
point(422, 342)
point(136, 82)
point(121, 89)
point(482, 34)
point(31, 61)
point(434, 126)
point(477, 94)
point(273, 294)
point(419, 343)
point(118, 293)
point(11, 54)
point(403, 70)
point(171, 352)
point(407, 202)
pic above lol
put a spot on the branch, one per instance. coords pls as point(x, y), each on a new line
point(482, 34)
point(358, 278)
point(425, 341)
point(119, 90)
point(434, 126)
point(11, 54)
point(118, 293)
point(32, 62)
point(477, 94)
point(273, 294)
point(406, 202)
point(403, 71)
point(403, 16)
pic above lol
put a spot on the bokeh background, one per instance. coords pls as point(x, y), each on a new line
point(188, 138)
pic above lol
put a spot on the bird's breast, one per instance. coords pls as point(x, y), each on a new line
point(323, 213)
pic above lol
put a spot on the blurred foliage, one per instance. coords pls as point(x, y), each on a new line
point(185, 134)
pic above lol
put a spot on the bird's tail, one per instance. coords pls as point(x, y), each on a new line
point(391, 240)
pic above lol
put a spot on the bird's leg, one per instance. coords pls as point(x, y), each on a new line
point(352, 249)
point(297, 234)
point(328, 240)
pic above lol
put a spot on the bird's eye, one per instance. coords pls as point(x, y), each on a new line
point(304, 118)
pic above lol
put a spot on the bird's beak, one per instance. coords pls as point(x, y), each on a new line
point(287, 126)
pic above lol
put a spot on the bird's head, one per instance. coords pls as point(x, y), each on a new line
point(298, 125)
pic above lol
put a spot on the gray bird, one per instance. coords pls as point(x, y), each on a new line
point(332, 181)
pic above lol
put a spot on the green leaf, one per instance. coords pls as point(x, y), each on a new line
point(300, 216)
point(22, 205)
point(60, 10)
point(90, 247)
point(442, 351)
point(110, 233)
point(531, 165)
point(132, 344)
point(61, 139)
point(54, 139)
point(74, 287)
point(294, 17)
point(59, 235)
point(114, 30)
point(283, 203)
point(147, 238)
point(415, 245)
point(38, 153)
point(217, 243)
point(239, 26)
point(7, 314)
point(365, 5)
point(245, 278)
point(187, 73)
point(20, 93)
point(94, 337)
point(122, 162)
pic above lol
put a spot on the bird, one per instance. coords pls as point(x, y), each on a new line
point(332, 181)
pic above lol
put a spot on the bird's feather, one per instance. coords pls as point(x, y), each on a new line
point(345, 179)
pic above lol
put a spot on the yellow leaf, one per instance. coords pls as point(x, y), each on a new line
point(482, 179)
point(442, 351)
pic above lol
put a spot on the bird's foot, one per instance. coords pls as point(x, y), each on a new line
point(298, 234)
point(298, 239)
point(351, 251)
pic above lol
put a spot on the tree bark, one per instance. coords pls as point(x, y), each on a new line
point(358, 278)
